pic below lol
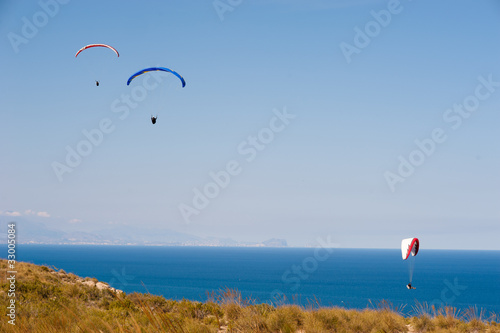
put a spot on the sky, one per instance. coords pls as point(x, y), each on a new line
point(364, 121)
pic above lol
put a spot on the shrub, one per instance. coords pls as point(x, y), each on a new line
point(286, 319)
point(423, 323)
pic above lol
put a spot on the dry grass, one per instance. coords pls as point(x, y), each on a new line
point(50, 301)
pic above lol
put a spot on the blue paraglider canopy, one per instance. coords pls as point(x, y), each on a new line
point(152, 69)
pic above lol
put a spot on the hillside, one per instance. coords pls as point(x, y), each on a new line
point(47, 300)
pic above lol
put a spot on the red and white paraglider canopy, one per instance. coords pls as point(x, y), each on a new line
point(409, 246)
point(97, 45)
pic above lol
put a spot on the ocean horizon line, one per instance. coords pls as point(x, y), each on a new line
point(241, 246)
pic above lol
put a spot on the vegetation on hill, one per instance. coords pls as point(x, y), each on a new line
point(47, 301)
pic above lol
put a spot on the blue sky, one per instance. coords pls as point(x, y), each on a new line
point(395, 137)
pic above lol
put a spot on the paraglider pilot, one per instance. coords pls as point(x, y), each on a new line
point(409, 286)
point(153, 119)
point(97, 83)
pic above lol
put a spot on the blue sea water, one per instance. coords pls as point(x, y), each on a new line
point(352, 278)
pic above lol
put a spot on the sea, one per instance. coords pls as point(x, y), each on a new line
point(310, 277)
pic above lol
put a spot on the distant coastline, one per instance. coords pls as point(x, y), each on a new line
point(29, 232)
point(280, 243)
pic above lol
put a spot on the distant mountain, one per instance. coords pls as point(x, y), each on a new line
point(29, 232)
